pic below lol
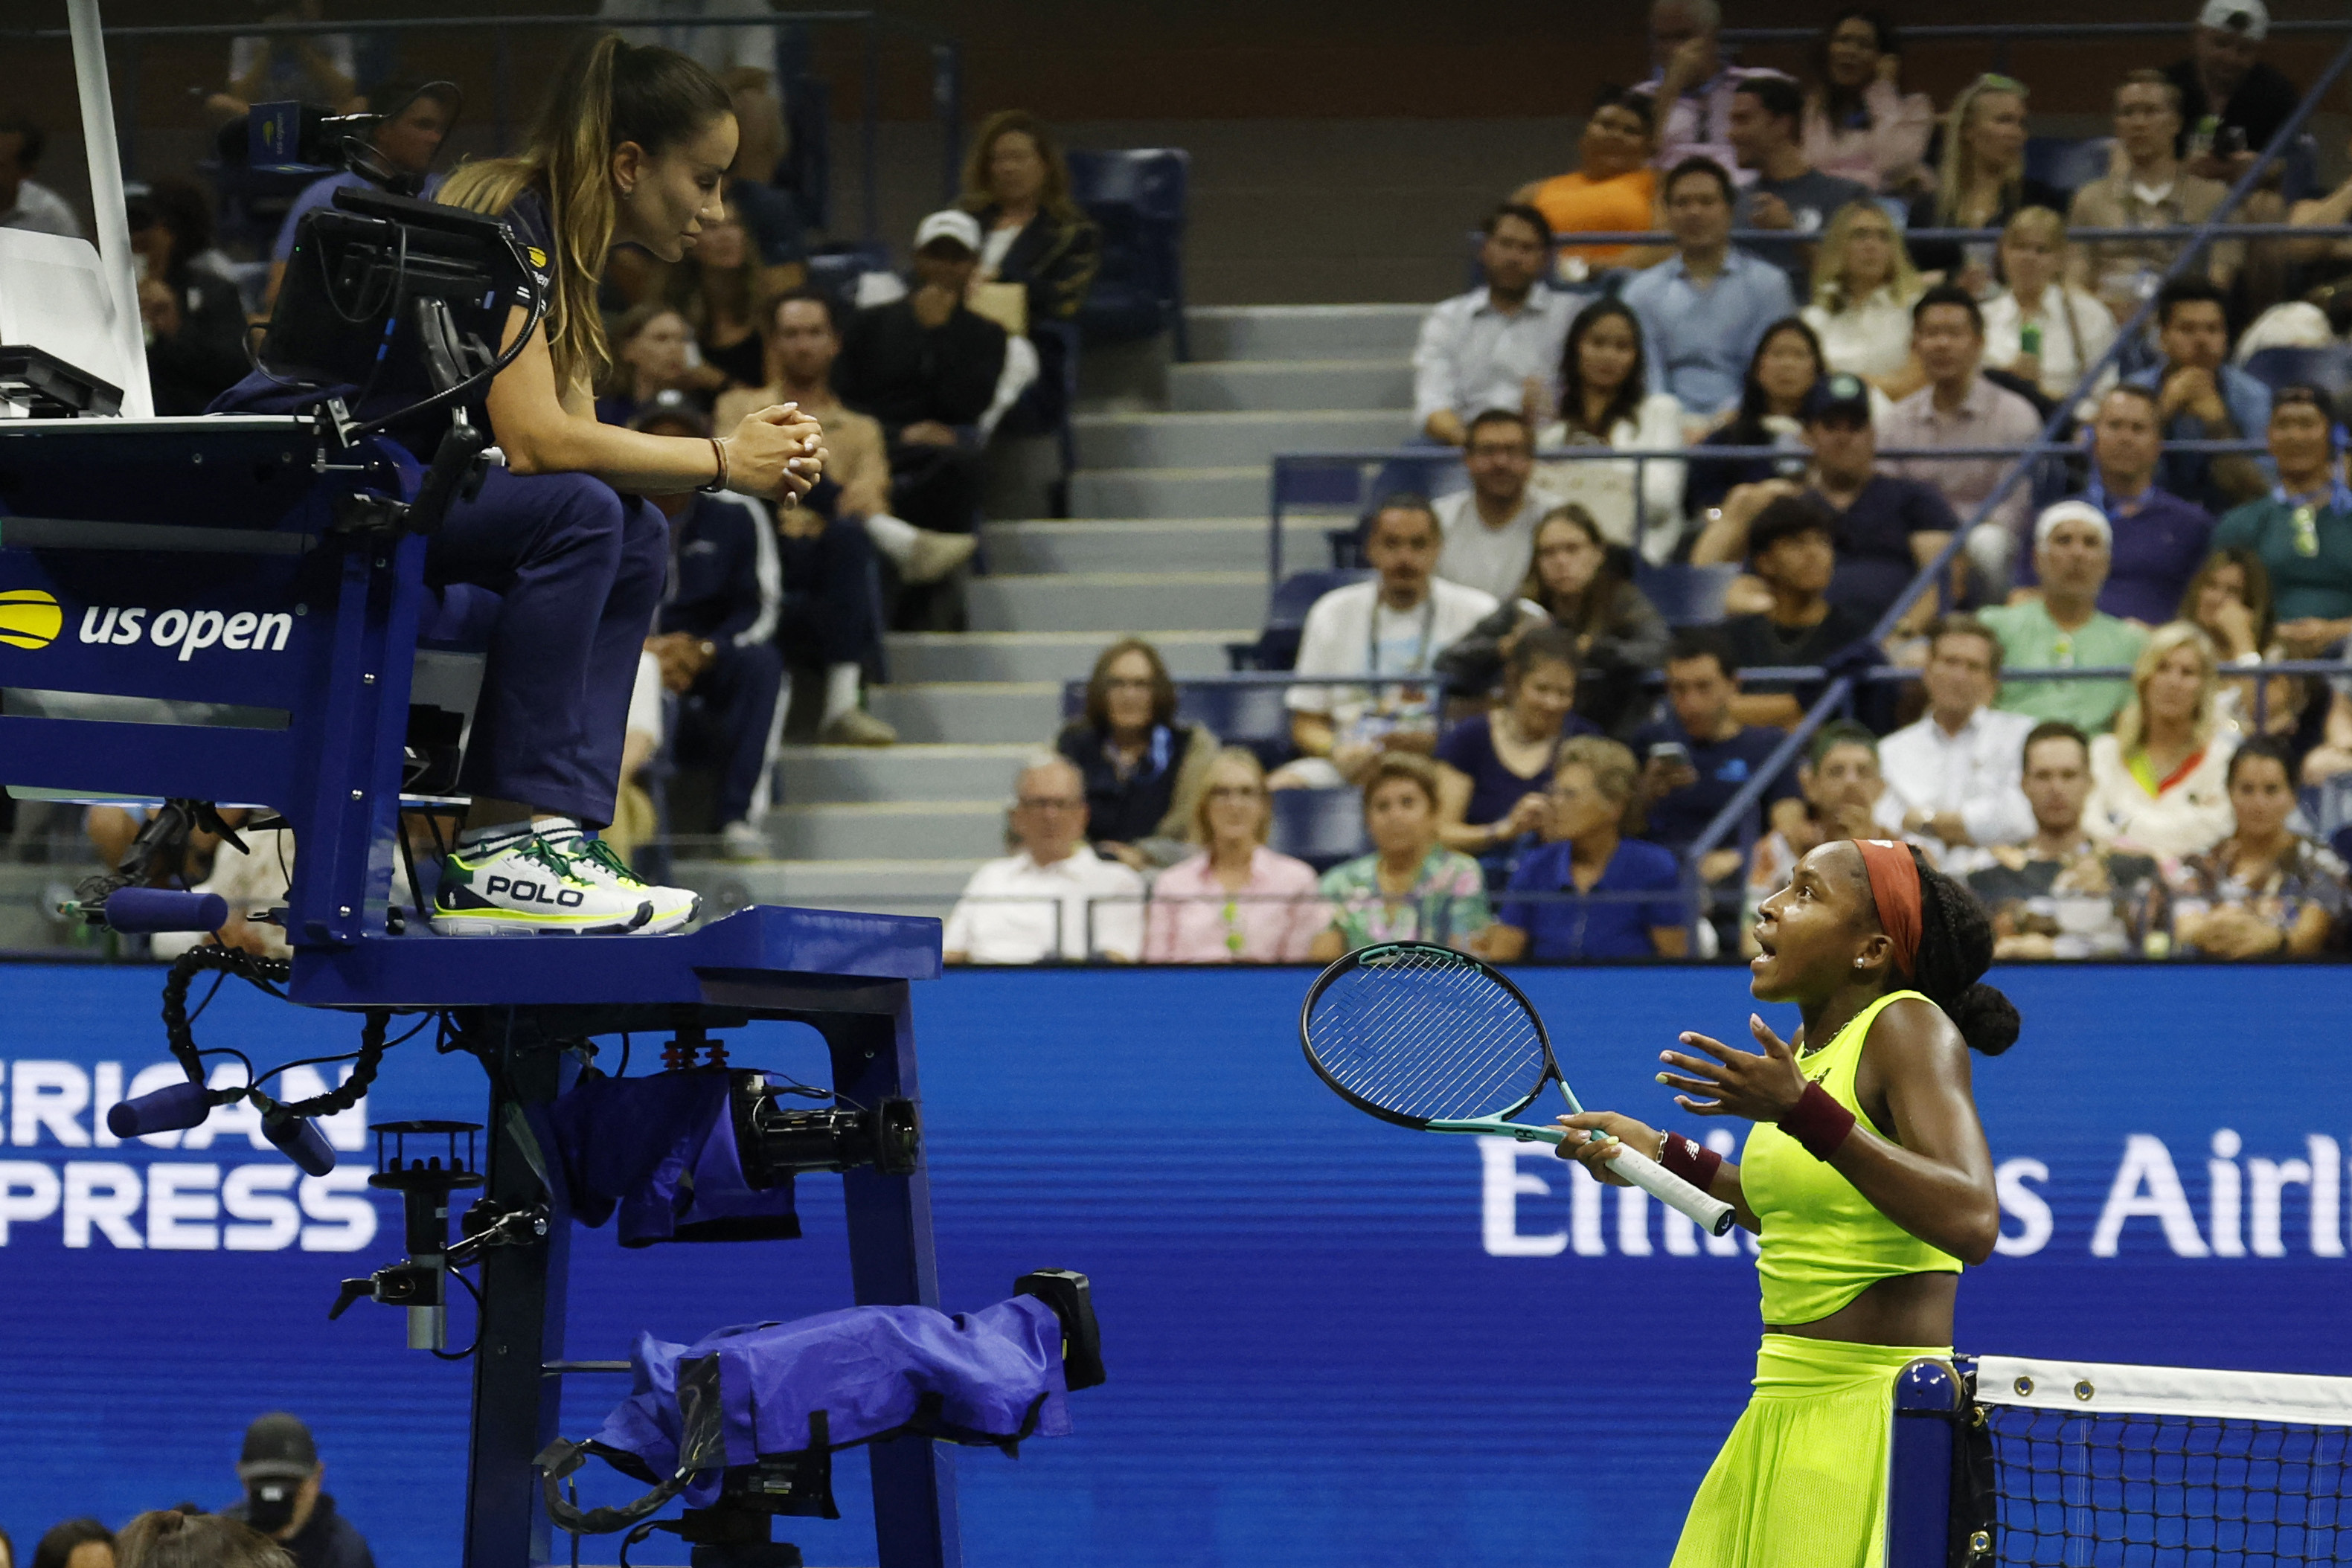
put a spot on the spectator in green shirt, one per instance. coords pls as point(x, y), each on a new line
point(2303, 529)
point(2065, 627)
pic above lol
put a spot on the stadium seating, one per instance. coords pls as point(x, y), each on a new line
point(1138, 196)
point(1276, 647)
point(1321, 827)
point(1685, 595)
point(2328, 369)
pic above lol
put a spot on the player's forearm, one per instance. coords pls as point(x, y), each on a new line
point(1725, 1188)
point(1947, 1207)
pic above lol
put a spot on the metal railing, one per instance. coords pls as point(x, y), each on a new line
point(946, 63)
point(1736, 810)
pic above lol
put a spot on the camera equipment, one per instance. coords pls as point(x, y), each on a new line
point(285, 133)
point(775, 1142)
point(823, 1383)
point(394, 306)
point(121, 898)
point(424, 1183)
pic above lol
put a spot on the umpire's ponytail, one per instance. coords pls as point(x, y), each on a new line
point(608, 92)
point(1955, 950)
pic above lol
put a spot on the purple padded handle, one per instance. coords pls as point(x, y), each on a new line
point(301, 1140)
point(165, 1110)
point(166, 909)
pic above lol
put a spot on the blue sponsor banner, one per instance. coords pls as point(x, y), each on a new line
point(1330, 1341)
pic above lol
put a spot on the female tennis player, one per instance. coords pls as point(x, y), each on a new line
point(1866, 1179)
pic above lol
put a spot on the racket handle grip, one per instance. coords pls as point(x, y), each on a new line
point(1712, 1214)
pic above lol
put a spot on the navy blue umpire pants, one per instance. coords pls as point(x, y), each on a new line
point(579, 569)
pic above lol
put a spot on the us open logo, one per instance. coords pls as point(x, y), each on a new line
point(29, 618)
point(191, 631)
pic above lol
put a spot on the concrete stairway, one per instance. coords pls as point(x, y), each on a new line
point(1171, 543)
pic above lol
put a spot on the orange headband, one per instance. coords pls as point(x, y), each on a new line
point(1895, 888)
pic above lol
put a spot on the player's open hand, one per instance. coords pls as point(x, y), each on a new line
point(1595, 1153)
point(1728, 1081)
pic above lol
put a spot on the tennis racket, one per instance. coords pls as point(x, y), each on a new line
point(1429, 1038)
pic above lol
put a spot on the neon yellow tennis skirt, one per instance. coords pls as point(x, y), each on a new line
point(1801, 1480)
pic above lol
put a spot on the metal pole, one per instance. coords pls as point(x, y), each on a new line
point(105, 159)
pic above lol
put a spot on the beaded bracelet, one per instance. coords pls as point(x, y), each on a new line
point(718, 447)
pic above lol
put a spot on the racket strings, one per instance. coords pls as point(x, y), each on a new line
point(1425, 1034)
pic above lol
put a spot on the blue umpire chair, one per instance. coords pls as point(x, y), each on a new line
point(1139, 197)
point(231, 612)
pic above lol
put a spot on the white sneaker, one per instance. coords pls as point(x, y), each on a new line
point(935, 555)
point(742, 842)
point(594, 862)
point(531, 887)
point(856, 726)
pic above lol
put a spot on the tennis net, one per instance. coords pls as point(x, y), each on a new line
point(2099, 1465)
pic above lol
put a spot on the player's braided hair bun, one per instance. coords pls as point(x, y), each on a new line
point(1955, 950)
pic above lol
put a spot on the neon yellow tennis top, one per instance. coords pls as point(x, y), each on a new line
point(1822, 1242)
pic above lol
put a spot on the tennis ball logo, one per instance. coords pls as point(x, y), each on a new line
point(29, 618)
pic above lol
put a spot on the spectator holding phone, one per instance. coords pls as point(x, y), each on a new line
point(2232, 101)
point(1575, 899)
point(1696, 759)
point(1492, 767)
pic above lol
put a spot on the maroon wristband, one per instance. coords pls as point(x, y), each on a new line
point(1695, 1163)
point(1818, 1123)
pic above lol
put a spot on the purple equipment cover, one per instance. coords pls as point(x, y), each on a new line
point(996, 1374)
point(660, 1149)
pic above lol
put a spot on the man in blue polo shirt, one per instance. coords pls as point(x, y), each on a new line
point(2161, 539)
point(1703, 311)
point(1696, 760)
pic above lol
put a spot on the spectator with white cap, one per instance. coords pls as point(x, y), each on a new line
point(937, 375)
point(2231, 100)
point(280, 1468)
point(2065, 627)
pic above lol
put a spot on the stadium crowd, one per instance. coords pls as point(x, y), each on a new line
point(1535, 748)
point(283, 1520)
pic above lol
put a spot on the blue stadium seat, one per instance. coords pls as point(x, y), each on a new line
point(1276, 647)
point(1685, 595)
point(1239, 714)
point(2065, 162)
point(834, 269)
point(2328, 369)
point(1137, 197)
point(1321, 827)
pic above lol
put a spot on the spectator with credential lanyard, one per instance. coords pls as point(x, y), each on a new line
point(1393, 626)
point(2303, 531)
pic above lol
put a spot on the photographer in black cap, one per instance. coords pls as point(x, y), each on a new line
point(279, 1467)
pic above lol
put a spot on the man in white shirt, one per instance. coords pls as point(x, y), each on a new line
point(1490, 529)
point(1056, 898)
point(1394, 625)
point(1494, 347)
point(1955, 776)
point(24, 202)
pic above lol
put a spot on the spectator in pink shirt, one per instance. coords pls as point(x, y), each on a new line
point(1236, 902)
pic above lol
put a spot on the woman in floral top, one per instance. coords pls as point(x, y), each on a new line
point(2263, 892)
point(1410, 887)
